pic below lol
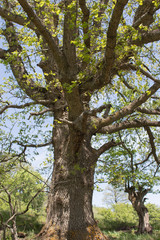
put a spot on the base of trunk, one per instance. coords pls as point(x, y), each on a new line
point(55, 233)
point(145, 229)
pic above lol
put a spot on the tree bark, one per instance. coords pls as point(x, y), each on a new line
point(69, 210)
point(137, 199)
point(144, 225)
point(14, 230)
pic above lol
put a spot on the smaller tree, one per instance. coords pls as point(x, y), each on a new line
point(114, 195)
point(134, 168)
point(20, 189)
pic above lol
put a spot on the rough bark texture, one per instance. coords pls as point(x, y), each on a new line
point(14, 231)
point(137, 199)
point(69, 210)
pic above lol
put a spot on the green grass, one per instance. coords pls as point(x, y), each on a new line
point(131, 235)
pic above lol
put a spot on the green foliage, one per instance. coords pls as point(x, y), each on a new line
point(154, 215)
point(28, 222)
point(125, 235)
point(18, 185)
point(22, 186)
point(123, 217)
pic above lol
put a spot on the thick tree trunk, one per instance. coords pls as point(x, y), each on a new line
point(69, 211)
point(137, 200)
point(144, 225)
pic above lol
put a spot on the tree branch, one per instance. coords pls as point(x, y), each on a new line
point(147, 37)
point(34, 91)
point(148, 111)
point(130, 108)
point(69, 34)
point(33, 145)
point(144, 14)
point(16, 106)
point(151, 140)
point(4, 13)
point(134, 67)
point(97, 110)
point(97, 23)
point(85, 22)
point(25, 169)
point(40, 113)
point(107, 146)
point(111, 39)
point(27, 207)
point(128, 124)
point(3, 53)
point(145, 160)
point(45, 33)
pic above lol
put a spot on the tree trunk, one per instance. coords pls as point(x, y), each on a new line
point(144, 225)
point(4, 233)
point(14, 230)
point(69, 210)
point(137, 199)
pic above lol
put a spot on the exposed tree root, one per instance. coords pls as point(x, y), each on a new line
point(55, 233)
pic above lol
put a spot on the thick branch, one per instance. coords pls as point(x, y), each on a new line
point(151, 140)
point(129, 124)
point(149, 111)
point(3, 53)
point(148, 37)
point(107, 146)
point(35, 92)
point(45, 33)
point(111, 38)
point(130, 108)
point(69, 34)
point(85, 22)
point(4, 13)
point(97, 110)
point(144, 14)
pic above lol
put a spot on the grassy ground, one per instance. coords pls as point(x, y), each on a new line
point(131, 235)
point(120, 235)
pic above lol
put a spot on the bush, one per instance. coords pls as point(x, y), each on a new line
point(154, 215)
point(119, 217)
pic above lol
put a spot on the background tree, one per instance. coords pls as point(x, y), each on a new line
point(114, 195)
point(20, 189)
point(62, 55)
point(136, 171)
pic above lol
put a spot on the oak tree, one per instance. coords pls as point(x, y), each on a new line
point(62, 54)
